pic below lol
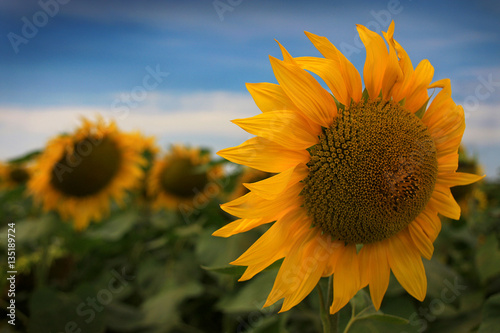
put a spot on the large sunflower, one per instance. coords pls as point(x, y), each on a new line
point(78, 174)
point(183, 179)
point(361, 175)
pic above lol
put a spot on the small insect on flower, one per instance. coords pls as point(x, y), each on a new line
point(361, 175)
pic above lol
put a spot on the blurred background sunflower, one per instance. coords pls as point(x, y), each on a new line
point(183, 178)
point(79, 174)
point(13, 175)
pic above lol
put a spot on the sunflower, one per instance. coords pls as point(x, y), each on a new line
point(361, 175)
point(183, 179)
point(78, 174)
point(248, 175)
point(13, 175)
point(472, 193)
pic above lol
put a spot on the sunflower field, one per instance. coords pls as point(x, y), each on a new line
point(149, 262)
point(351, 210)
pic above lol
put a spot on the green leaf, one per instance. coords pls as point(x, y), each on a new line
point(437, 275)
point(114, 228)
point(251, 297)
point(365, 95)
point(161, 310)
point(487, 258)
point(53, 311)
point(399, 306)
point(491, 315)
point(420, 112)
point(121, 317)
point(31, 231)
point(362, 302)
point(26, 157)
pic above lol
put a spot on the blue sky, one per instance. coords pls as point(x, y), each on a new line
point(88, 57)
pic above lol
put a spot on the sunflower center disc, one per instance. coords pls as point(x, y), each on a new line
point(19, 175)
point(183, 179)
point(92, 165)
point(372, 172)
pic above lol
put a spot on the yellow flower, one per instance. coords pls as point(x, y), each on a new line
point(78, 174)
point(13, 175)
point(248, 175)
point(183, 179)
point(361, 176)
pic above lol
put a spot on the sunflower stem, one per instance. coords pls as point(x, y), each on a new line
point(329, 321)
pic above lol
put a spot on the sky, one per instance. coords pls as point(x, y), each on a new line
point(177, 69)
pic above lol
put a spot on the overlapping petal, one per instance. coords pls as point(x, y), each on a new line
point(313, 101)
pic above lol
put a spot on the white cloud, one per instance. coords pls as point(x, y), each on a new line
point(201, 119)
point(483, 126)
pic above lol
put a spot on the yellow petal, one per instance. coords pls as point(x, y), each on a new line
point(406, 264)
point(443, 202)
point(401, 87)
point(240, 226)
point(421, 240)
point(393, 72)
point(311, 260)
point(287, 128)
point(313, 101)
point(430, 223)
point(447, 163)
point(458, 178)
point(374, 264)
point(290, 272)
point(417, 91)
point(270, 97)
point(265, 155)
point(274, 243)
point(350, 75)
point(376, 61)
point(346, 280)
point(271, 187)
point(252, 206)
point(330, 73)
